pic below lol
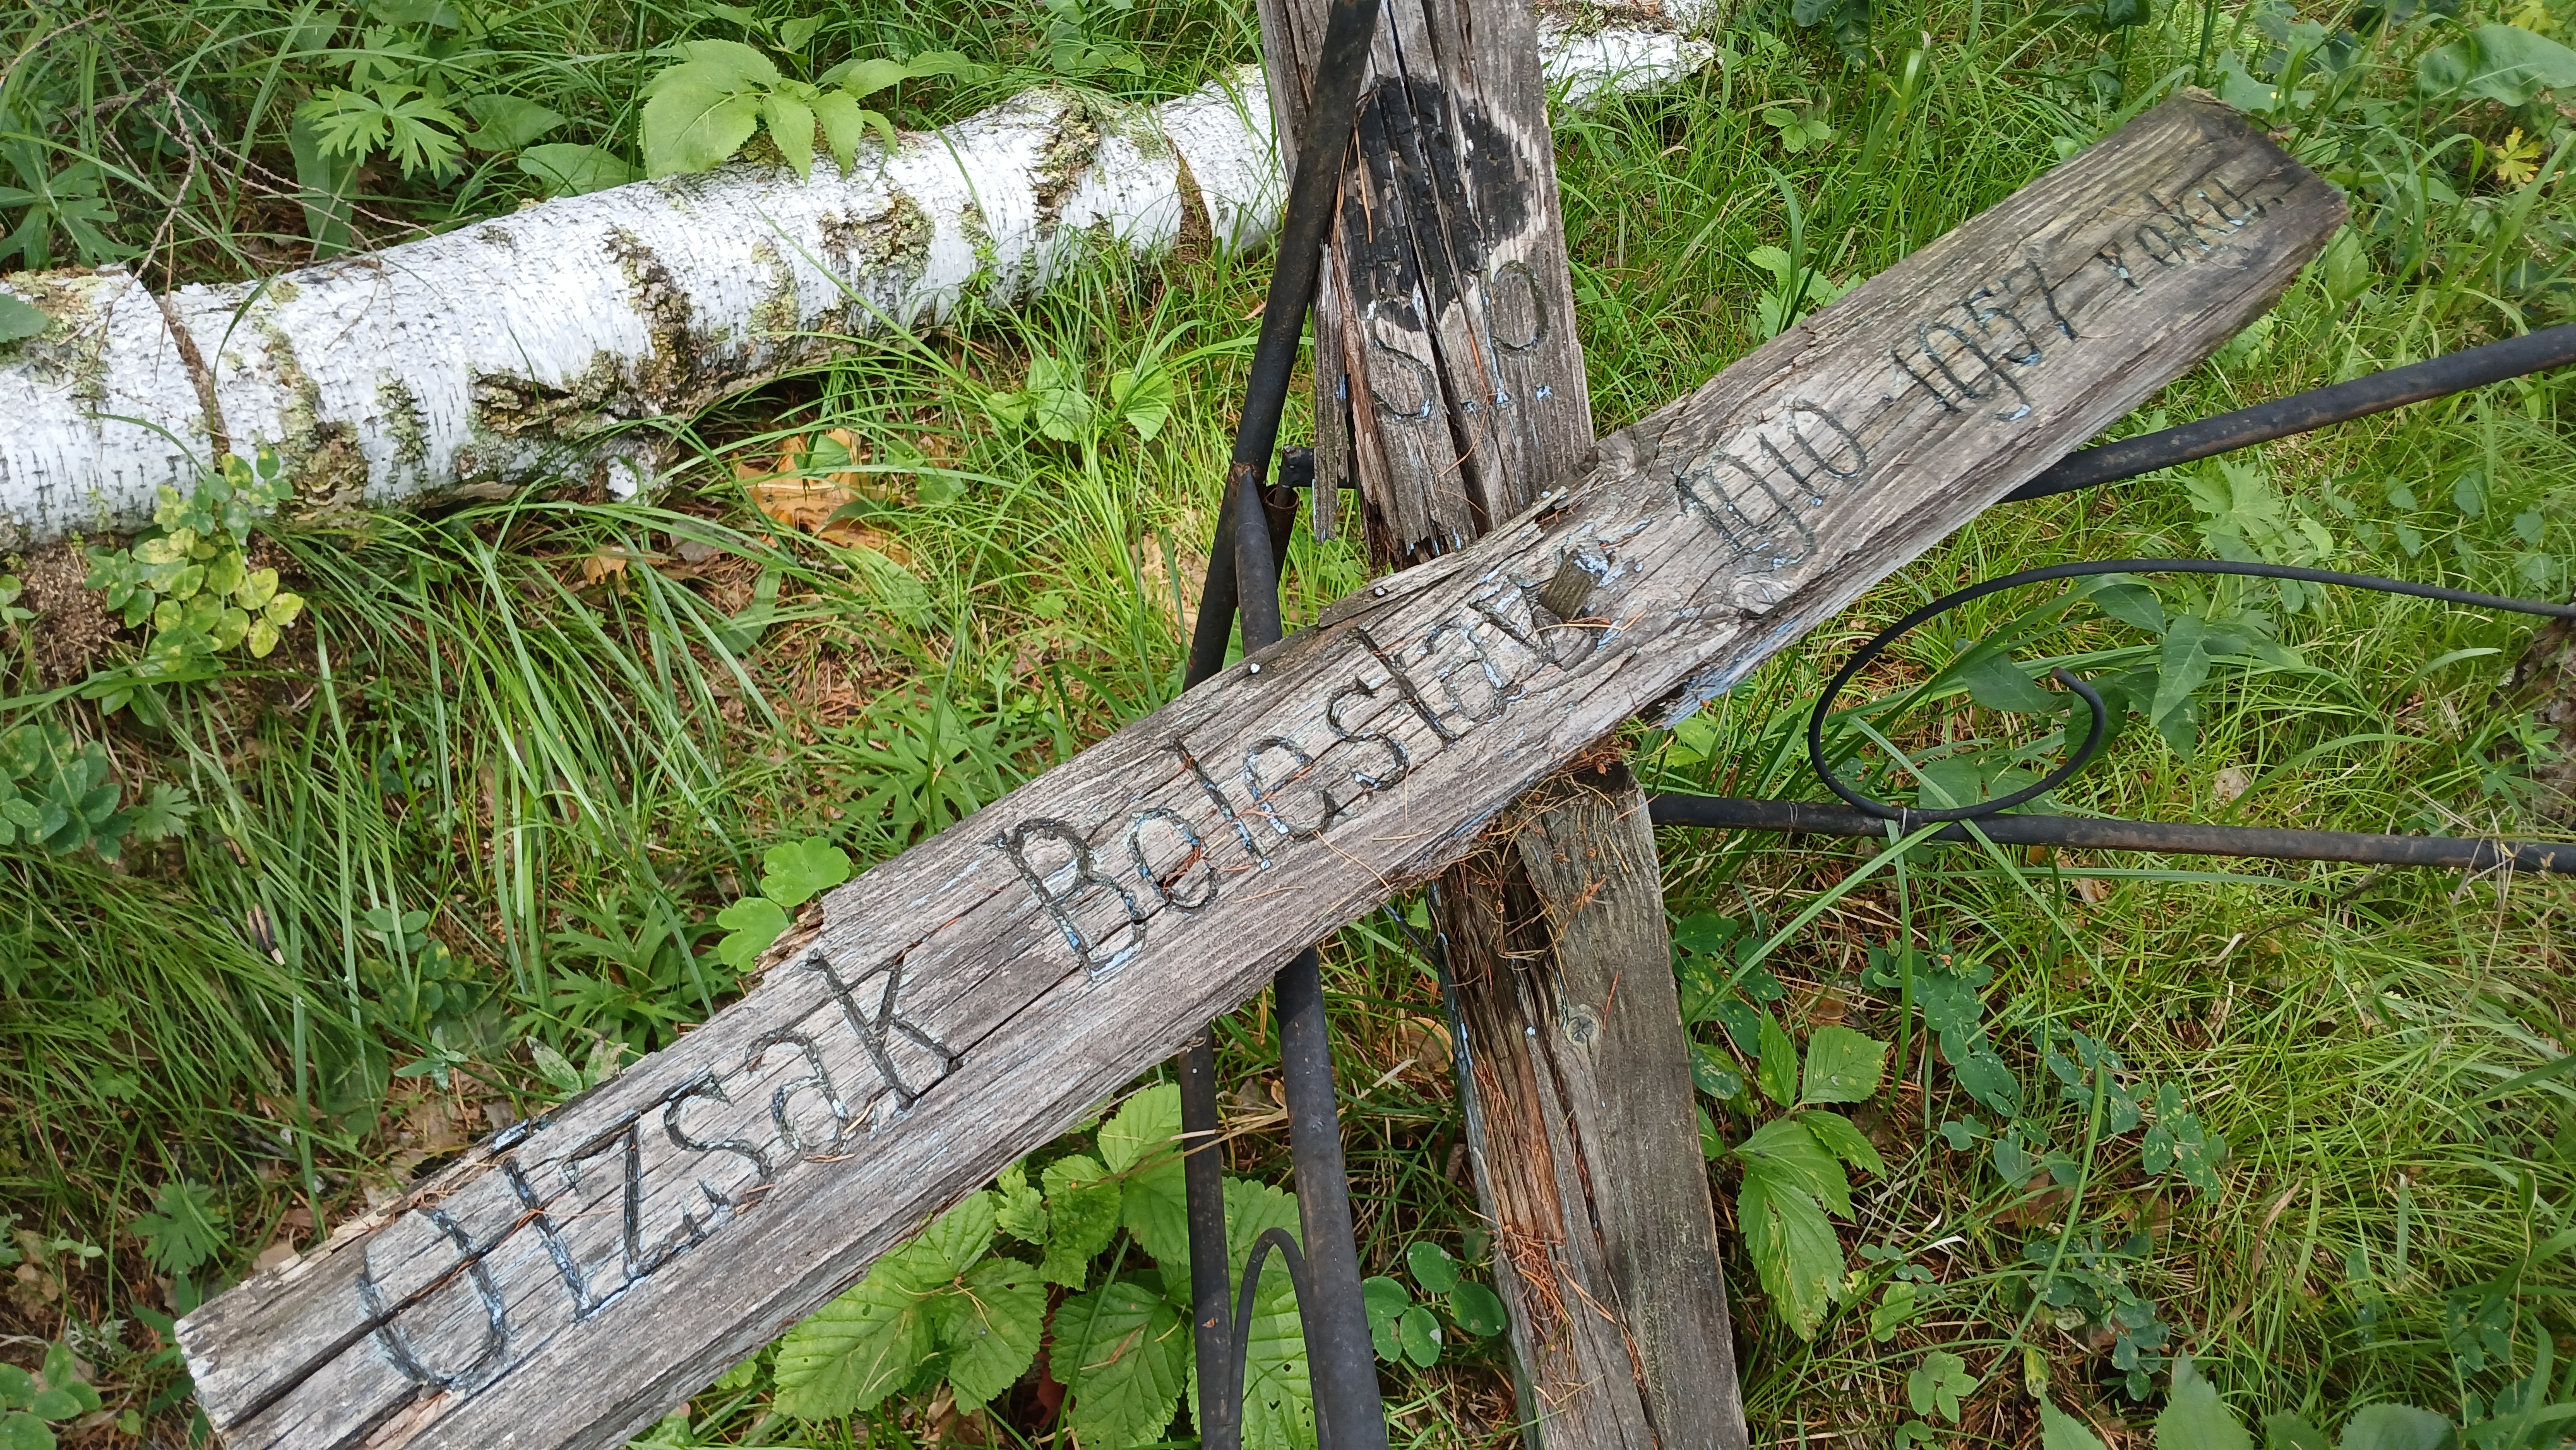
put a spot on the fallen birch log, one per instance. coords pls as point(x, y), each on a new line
point(572, 1278)
point(500, 352)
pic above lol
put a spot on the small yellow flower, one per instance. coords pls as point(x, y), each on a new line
point(2515, 158)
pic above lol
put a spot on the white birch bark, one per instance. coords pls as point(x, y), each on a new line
point(524, 347)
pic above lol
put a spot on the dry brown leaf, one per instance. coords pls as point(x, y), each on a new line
point(604, 564)
point(792, 493)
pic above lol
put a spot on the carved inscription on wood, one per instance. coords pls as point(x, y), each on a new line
point(573, 1279)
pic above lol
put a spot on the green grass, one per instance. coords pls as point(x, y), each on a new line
point(572, 768)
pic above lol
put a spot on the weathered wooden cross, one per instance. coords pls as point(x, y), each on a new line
point(573, 1278)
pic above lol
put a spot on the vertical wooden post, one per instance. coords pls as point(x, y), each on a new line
point(1449, 381)
point(1586, 1142)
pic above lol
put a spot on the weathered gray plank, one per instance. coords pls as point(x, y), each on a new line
point(1586, 1141)
point(970, 999)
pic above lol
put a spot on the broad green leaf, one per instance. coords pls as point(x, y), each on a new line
point(1278, 1394)
point(844, 122)
point(791, 130)
point(1980, 1072)
point(793, 873)
point(2285, 1431)
point(694, 123)
point(1020, 1210)
point(508, 123)
point(1140, 1142)
point(1252, 1209)
point(752, 924)
point(1142, 399)
point(2182, 666)
point(864, 77)
point(17, 1387)
point(792, 34)
point(865, 1345)
point(1939, 1384)
point(1786, 1149)
point(19, 320)
point(2395, 1427)
point(1124, 1354)
point(565, 169)
point(1792, 1245)
point(1419, 1332)
point(1082, 1216)
point(2059, 1430)
point(1477, 1309)
point(1896, 1307)
point(1154, 1204)
point(729, 60)
point(962, 1235)
point(1836, 1135)
point(1714, 1075)
point(556, 1069)
point(945, 63)
point(2194, 1419)
point(1776, 1069)
point(1994, 681)
point(994, 1335)
point(1384, 1300)
point(1147, 1125)
point(1431, 1266)
point(1843, 1066)
point(24, 1432)
point(2505, 64)
point(2130, 602)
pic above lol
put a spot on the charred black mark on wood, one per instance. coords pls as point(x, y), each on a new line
point(1535, 300)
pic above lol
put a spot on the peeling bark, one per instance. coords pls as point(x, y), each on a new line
point(525, 347)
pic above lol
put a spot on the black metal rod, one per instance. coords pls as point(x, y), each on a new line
point(2301, 412)
point(1243, 575)
point(1340, 1358)
point(1220, 1407)
point(2096, 833)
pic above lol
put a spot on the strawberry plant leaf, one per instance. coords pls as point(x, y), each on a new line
point(1124, 1354)
point(1843, 1066)
point(993, 1337)
point(1082, 1215)
point(866, 1344)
